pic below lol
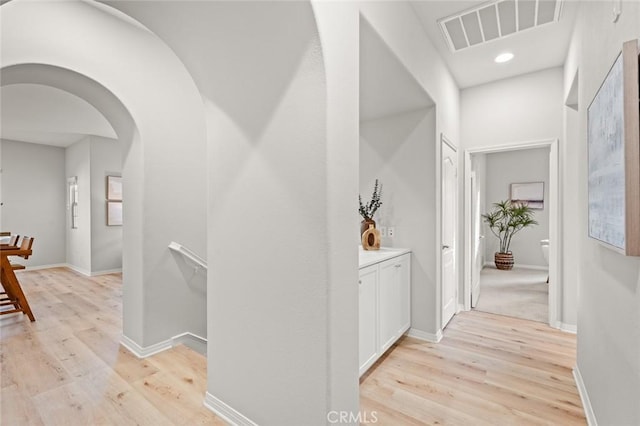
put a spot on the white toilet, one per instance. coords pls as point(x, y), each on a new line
point(544, 245)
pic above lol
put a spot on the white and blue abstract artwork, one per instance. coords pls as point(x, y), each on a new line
point(606, 145)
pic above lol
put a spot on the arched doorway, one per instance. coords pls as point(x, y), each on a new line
point(142, 88)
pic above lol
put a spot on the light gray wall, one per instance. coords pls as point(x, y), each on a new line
point(399, 27)
point(33, 197)
point(268, 172)
point(503, 169)
point(79, 239)
point(400, 151)
point(106, 241)
point(608, 355)
point(519, 109)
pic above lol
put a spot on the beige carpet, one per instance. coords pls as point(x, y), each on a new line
point(520, 293)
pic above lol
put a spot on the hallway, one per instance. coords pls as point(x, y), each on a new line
point(488, 369)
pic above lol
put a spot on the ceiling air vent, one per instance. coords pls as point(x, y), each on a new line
point(496, 20)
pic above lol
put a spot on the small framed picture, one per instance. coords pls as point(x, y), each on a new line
point(114, 213)
point(114, 188)
point(530, 194)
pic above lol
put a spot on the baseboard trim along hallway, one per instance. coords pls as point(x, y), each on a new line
point(226, 412)
point(423, 335)
point(193, 341)
point(584, 397)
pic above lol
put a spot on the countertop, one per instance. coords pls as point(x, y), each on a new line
point(371, 257)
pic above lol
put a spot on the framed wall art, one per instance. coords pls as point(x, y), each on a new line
point(114, 188)
point(613, 138)
point(530, 194)
point(114, 213)
point(114, 201)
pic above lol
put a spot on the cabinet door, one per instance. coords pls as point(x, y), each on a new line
point(389, 302)
point(368, 317)
point(405, 293)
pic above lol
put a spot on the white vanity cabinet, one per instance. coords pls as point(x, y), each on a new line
point(385, 302)
point(368, 317)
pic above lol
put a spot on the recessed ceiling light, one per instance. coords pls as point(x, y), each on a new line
point(504, 57)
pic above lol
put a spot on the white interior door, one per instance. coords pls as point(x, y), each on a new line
point(477, 241)
point(449, 183)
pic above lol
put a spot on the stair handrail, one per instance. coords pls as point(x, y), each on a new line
point(179, 248)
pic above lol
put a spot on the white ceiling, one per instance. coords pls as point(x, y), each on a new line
point(386, 87)
point(49, 116)
point(42, 114)
point(534, 49)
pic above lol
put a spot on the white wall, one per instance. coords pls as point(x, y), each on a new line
point(398, 26)
point(106, 241)
point(268, 172)
point(519, 109)
point(33, 197)
point(400, 151)
point(608, 355)
point(78, 164)
point(503, 169)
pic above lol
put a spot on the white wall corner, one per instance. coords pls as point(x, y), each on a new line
point(423, 335)
point(107, 271)
point(143, 352)
point(78, 270)
point(193, 341)
point(569, 328)
point(584, 397)
point(226, 412)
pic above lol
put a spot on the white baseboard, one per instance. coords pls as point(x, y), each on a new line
point(569, 328)
point(584, 397)
point(195, 342)
point(106, 271)
point(226, 412)
point(78, 270)
point(423, 335)
point(522, 266)
point(39, 267)
point(143, 352)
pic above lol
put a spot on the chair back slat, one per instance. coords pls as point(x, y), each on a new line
point(27, 243)
point(14, 240)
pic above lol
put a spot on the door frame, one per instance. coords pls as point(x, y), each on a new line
point(439, 279)
point(472, 254)
point(555, 286)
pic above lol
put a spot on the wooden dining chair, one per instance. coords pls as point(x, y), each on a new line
point(26, 244)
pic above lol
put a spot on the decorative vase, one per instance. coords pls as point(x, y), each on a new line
point(504, 261)
point(371, 238)
point(364, 225)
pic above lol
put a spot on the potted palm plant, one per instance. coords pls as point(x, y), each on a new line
point(505, 220)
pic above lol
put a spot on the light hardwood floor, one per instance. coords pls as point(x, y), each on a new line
point(68, 368)
point(487, 370)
